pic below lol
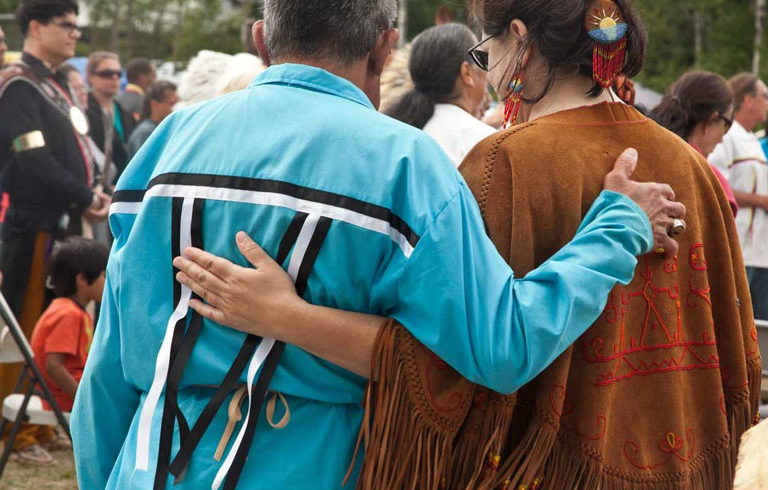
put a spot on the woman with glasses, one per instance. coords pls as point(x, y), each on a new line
point(449, 90)
point(698, 107)
point(110, 124)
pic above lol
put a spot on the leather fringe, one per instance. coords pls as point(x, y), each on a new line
point(404, 450)
point(479, 451)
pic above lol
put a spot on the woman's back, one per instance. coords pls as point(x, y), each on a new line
point(669, 374)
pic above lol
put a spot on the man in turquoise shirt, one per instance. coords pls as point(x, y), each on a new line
point(366, 214)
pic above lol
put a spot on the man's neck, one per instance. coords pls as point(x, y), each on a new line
point(355, 72)
point(34, 49)
point(105, 101)
point(745, 122)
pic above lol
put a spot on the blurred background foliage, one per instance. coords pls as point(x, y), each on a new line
point(716, 35)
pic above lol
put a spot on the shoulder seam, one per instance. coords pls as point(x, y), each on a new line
point(490, 164)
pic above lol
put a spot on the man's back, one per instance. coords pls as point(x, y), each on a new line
point(303, 163)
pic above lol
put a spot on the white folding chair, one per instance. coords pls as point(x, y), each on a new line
point(25, 405)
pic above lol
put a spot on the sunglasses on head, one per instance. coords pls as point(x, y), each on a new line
point(479, 56)
point(108, 73)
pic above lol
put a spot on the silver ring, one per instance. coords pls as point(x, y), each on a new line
point(678, 227)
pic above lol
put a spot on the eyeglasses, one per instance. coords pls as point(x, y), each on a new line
point(728, 121)
point(67, 26)
point(478, 56)
point(108, 73)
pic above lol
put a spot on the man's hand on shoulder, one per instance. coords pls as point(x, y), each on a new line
point(657, 200)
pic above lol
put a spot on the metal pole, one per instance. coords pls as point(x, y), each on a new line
point(21, 342)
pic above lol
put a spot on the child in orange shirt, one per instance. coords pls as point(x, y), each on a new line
point(63, 334)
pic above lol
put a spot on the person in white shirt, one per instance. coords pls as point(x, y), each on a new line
point(742, 160)
point(449, 90)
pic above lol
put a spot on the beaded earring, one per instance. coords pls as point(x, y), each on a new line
point(514, 96)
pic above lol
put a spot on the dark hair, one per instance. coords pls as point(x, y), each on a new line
point(43, 11)
point(341, 31)
point(137, 67)
point(158, 92)
point(742, 85)
point(65, 69)
point(692, 99)
point(436, 58)
point(76, 256)
point(556, 27)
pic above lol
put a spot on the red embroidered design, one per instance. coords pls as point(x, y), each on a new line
point(696, 258)
point(661, 345)
point(564, 408)
point(671, 266)
point(671, 445)
point(611, 313)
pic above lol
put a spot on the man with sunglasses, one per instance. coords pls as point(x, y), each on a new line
point(110, 123)
point(741, 158)
point(45, 161)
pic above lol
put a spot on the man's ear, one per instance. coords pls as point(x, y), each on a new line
point(257, 31)
point(381, 50)
point(34, 28)
point(466, 74)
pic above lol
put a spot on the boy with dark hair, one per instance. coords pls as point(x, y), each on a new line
point(140, 73)
point(160, 99)
point(63, 334)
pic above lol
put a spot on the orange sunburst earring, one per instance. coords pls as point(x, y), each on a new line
point(605, 25)
point(514, 96)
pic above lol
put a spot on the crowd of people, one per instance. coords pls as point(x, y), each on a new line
point(573, 308)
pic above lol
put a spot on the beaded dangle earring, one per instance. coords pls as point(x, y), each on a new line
point(605, 25)
point(514, 96)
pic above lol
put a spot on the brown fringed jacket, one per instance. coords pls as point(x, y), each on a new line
point(656, 394)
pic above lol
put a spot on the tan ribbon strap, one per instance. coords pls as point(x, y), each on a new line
point(28, 141)
point(270, 411)
point(234, 417)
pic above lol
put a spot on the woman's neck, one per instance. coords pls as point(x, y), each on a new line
point(569, 91)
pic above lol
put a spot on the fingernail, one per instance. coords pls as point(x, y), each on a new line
point(631, 152)
point(242, 237)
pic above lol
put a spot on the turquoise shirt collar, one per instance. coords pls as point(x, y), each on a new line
point(312, 78)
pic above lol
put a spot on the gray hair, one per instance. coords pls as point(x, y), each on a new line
point(335, 30)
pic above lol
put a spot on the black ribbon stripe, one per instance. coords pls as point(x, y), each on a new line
point(169, 408)
point(228, 385)
point(181, 345)
point(290, 237)
point(231, 379)
point(259, 391)
point(277, 187)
